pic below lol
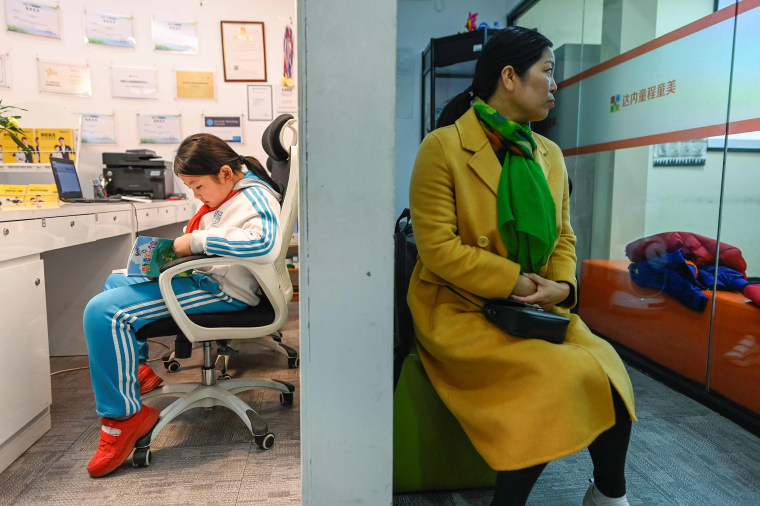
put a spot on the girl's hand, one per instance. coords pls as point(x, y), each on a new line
point(182, 245)
point(548, 293)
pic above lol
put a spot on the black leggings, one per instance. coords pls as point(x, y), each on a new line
point(607, 452)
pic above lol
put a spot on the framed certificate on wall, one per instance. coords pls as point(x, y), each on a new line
point(243, 51)
point(259, 102)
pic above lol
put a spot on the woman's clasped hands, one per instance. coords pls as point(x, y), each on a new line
point(534, 289)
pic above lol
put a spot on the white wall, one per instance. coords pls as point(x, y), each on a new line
point(348, 78)
point(566, 21)
point(50, 110)
point(562, 22)
point(673, 15)
point(740, 226)
point(687, 199)
point(418, 22)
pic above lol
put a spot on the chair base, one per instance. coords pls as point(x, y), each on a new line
point(210, 393)
point(193, 395)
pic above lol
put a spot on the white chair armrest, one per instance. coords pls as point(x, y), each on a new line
point(265, 274)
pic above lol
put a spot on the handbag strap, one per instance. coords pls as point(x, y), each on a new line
point(465, 298)
point(534, 306)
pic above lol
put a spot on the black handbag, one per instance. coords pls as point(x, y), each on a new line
point(523, 320)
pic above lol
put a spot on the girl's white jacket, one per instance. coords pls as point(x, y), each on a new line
point(247, 226)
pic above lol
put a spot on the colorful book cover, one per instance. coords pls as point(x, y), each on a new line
point(148, 255)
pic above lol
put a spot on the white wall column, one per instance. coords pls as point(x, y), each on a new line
point(347, 68)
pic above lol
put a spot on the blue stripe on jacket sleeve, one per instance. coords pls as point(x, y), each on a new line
point(249, 248)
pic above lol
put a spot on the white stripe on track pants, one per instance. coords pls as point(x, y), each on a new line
point(111, 319)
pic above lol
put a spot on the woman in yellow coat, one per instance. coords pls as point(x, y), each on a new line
point(489, 203)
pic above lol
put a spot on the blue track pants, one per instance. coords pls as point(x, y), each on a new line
point(111, 319)
point(116, 280)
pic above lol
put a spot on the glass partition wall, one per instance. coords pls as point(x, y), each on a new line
point(734, 367)
point(661, 135)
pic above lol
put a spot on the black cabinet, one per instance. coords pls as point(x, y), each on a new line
point(448, 64)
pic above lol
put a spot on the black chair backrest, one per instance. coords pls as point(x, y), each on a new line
point(278, 162)
point(404, 260)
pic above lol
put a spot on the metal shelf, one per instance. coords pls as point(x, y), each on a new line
point(448, 58)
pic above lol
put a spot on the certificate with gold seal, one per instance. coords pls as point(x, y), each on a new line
point(243, 51)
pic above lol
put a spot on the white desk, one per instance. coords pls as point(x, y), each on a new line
point(52, 262)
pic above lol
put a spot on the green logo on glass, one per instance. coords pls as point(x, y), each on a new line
point(614, 103)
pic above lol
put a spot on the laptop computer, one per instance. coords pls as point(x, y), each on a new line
point(67, 182)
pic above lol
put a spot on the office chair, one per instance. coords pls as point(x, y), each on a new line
point(279, 165)
point(255, 323)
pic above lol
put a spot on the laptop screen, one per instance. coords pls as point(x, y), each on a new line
point(65, 174)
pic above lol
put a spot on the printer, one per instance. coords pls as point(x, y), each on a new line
point(138, 172)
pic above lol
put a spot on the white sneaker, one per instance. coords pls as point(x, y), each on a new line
point(594, 497)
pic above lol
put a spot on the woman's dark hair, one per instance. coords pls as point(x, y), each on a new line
point(205, 154)
point(514, 45)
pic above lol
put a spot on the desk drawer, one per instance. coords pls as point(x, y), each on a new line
point(167, 215)
point(20, 238)
point(65, 231)
point(113, 223)
point(156, 217)
point(147, 218)
point(184, 212)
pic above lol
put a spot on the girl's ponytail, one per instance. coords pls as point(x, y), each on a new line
point(255, 167)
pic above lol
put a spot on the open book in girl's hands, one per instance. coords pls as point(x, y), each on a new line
point(148, 255)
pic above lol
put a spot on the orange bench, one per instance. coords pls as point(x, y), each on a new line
point(659, 327)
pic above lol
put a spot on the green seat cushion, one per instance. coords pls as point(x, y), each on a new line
point(430, 449)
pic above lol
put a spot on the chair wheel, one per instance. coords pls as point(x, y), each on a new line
point(224, 377)
point(264, 442)
point(172, 366)
point(141, 457)
point(277, 337)
point(294, 362)
point(286, 399)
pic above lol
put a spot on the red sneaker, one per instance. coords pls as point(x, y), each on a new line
point(118, 438)
point(147, 378)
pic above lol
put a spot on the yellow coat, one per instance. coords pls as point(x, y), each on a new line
point(521, 401)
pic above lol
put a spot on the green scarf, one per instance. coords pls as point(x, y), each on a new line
point(525, 207)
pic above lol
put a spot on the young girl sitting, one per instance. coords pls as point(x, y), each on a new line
point(238, 218)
